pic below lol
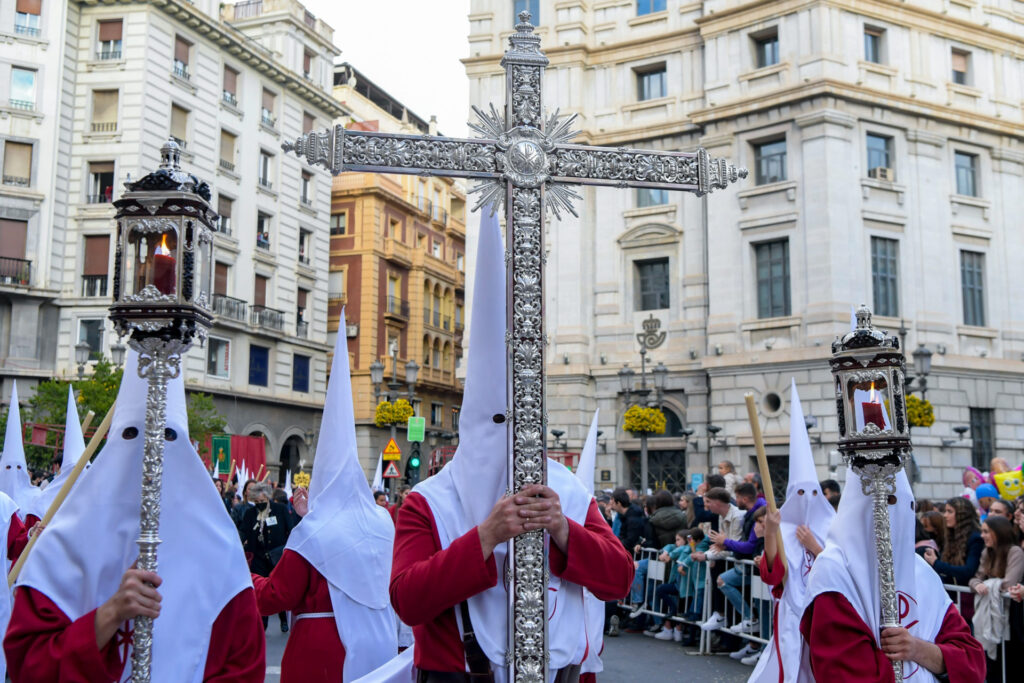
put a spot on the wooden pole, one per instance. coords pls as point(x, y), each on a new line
point(232, 472)
point(259, 474)
point(87, 421)
point(265, 477)
point(762, 466)
point(83, 460)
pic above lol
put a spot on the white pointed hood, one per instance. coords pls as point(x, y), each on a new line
point(805, 504)
point(378, 475)
point(593, 608)
point(74, 446)
point(288, 484)
point(849, 566)
point(14, 477)
point(463, 493)
point(80, 557)
point(588, 457)
point(345, 536)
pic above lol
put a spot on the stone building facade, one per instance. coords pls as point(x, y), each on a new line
point(398, 259)
point(885, 142)
point(229, 83)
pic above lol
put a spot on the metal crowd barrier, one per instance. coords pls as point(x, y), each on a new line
point(753, 592)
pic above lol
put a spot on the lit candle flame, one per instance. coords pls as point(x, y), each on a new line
point(873, 395)
point(163, 250)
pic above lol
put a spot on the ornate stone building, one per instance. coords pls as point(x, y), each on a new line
point(885, 142)
point(398, 259)
point(229, 82)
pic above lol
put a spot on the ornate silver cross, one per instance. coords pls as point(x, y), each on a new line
point(526, 165)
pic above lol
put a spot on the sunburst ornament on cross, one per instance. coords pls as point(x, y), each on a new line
point(526, 166)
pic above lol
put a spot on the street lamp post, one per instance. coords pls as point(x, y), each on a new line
point(626, 377)
point(394, 386)
point(117, 352)
point(82, 351)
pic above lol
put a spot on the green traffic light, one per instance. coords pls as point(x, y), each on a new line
point(414, 462)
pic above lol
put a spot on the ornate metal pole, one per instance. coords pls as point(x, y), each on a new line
point(162, 288)
point(158, 362)
point(527, 167)
point(874, 436)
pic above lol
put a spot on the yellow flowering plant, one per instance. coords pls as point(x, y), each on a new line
point(388, 413)
point(640, 419)
point(919, 412)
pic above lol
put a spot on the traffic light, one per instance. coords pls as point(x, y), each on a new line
point(412, 467)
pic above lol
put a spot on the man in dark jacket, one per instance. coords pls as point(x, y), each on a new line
point(631, 531)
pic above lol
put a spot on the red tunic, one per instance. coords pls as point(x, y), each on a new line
point(843, 649)
point(314, 651)
point(427, 582)
point(17, 538)
point(42, 644)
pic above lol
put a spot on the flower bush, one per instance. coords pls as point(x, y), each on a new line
point(640, 419)
point(920, 412)
point(387, 413)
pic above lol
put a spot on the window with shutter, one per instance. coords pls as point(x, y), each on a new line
point(181, 54)
point(26, 17)
point(179, 125)
point(109, 39)
point(267, 113)
point(101, 182)
point(220, 278)
point(17, 164)
point(308, 121)
point(259, 297)
point(307, 64)
point(29, 7)
point(12, 240)
point(227, 150)
point(104, 111)
point(960, 67)
point(230, 85)
point(94, 268)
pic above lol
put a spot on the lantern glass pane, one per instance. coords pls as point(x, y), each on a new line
point(153, 258)
point(204, 270)
point(872, 404)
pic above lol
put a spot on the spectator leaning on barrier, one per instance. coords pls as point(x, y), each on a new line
point(730, 525)
point(1001, 568)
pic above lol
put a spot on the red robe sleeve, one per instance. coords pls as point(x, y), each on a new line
point(773, 575)
point(594, 558)
point(425, 580)
point(238, 647)
point(17, 538)
point(42, 644)
point(286, 586)
point(843, 650)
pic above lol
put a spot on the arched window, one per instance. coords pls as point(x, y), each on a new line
point(437, 354)
point(673, 424)
point(426, 351)
point(447, 357)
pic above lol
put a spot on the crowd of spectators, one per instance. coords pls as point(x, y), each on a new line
point(978, 552)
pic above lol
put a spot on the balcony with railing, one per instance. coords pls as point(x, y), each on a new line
point(15, 180)
point(263, 241)
point(223, 225)
point(229, 307)
point(397, 307)
point(94, 285)
point(227, 165)
point(241, 11)
point(302, 329)
point(181, 70)
point(266, 183)
point(15, 271)
point(266, 318)
point(230, 98)
point(267, 118)
point(26, 30)
point(304, 260)
point(103, 198)
point(104, 55)
point(104, 126)
point(23, 105)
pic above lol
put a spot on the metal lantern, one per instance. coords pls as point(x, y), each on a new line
point(162, 284)
point(163, 270)
point(868, 368)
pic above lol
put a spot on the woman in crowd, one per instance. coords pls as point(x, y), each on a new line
point(963, 548)
point(686, 505)
point(1001, 568)
point(935, 526)
point(265, 529)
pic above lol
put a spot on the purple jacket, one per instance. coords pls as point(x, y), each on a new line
point(748, 546)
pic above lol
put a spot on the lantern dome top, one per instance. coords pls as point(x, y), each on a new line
point(169, 177)
point(865, 336)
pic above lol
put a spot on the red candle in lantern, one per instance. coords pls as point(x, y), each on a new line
point(873, 409)
point(164, 270)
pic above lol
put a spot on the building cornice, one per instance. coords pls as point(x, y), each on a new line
point(237, 44)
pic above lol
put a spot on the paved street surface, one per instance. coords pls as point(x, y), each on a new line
point(630, 657)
